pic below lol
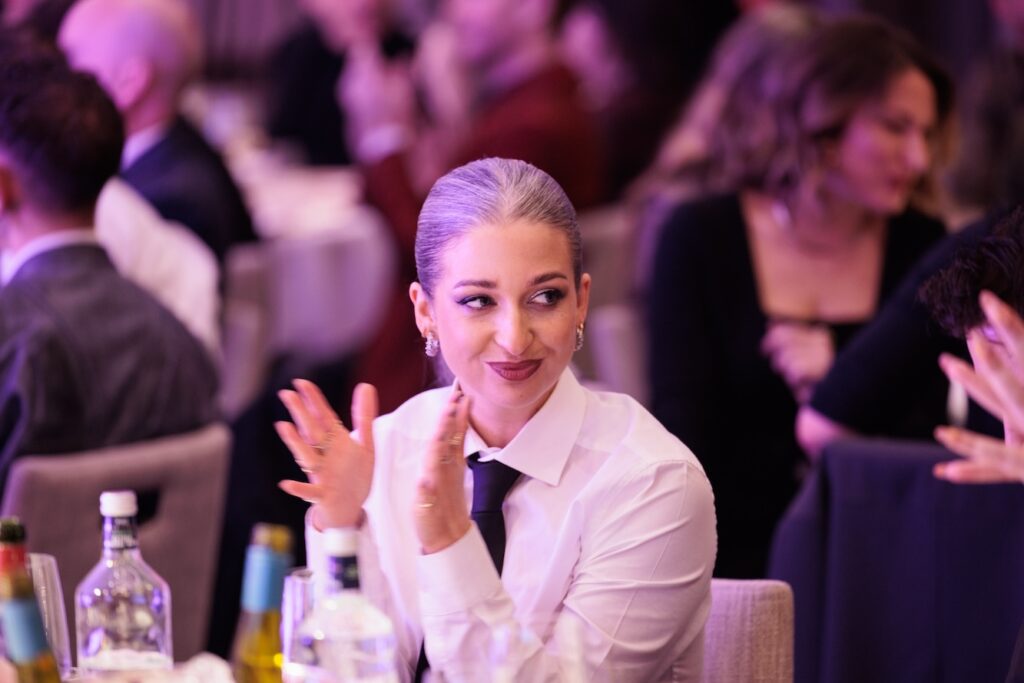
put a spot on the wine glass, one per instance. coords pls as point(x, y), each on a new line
point(46, 580)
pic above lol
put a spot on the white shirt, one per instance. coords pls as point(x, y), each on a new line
point(140, 142)
point(11, 262)
point(166, 259)
point(611, 527)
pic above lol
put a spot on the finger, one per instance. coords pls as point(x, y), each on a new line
point(439, 449)
point(974, 384)
point(1006, 322)
point(316, 404)
point(364, 412)
point(970, 472)
point(307, 427)
point(983, 449)
point(303, 453)
point(311, 493)
point(995, 368)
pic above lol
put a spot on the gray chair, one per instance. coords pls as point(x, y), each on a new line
point(57, 496)
point(748, 637)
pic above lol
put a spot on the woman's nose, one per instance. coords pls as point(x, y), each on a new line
point(513, 333)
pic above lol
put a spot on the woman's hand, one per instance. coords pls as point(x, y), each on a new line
point(339, 464)
point(440, 512)
point(996, 382)
point(802, 354)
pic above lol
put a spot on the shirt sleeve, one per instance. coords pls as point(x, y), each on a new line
point(637, 600)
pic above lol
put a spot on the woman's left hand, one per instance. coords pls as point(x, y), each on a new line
point(802, 354)
point(440, 512)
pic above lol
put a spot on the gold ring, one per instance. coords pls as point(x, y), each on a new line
point(425, 505)
point(325, 443)
point(455, 441)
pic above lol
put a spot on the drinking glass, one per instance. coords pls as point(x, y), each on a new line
point(50, 597)
point(296, 605)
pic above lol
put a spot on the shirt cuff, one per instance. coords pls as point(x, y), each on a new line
point(458, 577)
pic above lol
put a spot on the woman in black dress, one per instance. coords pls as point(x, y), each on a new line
point(752, 293)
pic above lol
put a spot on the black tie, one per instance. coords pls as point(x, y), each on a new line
point(492, 480)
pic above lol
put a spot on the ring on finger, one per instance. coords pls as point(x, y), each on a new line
point(324, 444)
point(455, 441)
point(425, 504)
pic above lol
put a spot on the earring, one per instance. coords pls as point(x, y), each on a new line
point(579, 337)
point(431, 346)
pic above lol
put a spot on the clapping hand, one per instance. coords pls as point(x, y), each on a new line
point(801, 353)
point(997, 383)
point(339, 463)
point(439, 510)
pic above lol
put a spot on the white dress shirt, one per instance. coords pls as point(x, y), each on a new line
point(610, 529)
point(166, 259)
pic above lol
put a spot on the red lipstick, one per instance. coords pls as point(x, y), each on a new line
point(516, 372)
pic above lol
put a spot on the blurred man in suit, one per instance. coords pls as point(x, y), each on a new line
point(144, 53)
point(87, 359)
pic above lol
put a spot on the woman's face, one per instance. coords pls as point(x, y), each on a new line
point(886, 147)
point(505, 311)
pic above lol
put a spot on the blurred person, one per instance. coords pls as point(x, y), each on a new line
point(753, 292)
point(144, 53)
point(87, 359)
point(724, 137)
point(302, 74)
point(886, 382)
point(165, 259)
point(491, 83)
point(989, 170)
point(637, 63)
point(588, 512)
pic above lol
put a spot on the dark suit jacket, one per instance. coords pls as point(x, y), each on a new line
point(186, 180)
point(88, 359)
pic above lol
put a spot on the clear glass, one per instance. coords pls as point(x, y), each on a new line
point(123, 608)
point(296, 605)
point(346, 638)
point(46, 580)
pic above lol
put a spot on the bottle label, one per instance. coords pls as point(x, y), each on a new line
point(263, 581)
point(23, 630)
point(344, 570)
point(119, 533)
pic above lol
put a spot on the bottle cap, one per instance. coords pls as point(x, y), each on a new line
point(274, 536)
point(118, 504)
point(11, 530)
point(341, 542)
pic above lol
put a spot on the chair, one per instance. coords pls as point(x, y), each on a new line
point(57, 497)
point(749, 633)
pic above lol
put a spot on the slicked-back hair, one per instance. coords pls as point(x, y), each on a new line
point(59, 131)
point(490, 192)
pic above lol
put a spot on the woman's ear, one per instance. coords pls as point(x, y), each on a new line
point(583, 298)
point(422, 308)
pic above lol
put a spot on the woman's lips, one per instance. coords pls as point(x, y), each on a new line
point(515, 372)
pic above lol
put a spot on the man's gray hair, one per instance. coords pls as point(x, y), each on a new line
point(490, 192)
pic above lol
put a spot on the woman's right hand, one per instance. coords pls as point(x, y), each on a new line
point(339, 463)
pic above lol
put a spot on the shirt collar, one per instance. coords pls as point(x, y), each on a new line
point(542, 447)
point(142, 141)
point(11, 262)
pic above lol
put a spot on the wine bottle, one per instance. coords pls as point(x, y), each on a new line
point(22, 625)
point(256, 656)
point(122, 607)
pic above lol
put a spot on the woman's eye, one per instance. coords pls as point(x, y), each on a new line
point(548, 297)
point(476, 301)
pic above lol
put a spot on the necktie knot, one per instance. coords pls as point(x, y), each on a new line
point(492, 481)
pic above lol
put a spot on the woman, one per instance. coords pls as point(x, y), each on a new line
point(609, 520)
point(753, 292)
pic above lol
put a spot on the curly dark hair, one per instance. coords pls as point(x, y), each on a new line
point(994, 263)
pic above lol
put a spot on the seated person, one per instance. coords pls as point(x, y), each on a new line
point(587, 510)
point(753, 292)
point(302, 74)
point(144, 52)
point(887, 382)
point(87, 359)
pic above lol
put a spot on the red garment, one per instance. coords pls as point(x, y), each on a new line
point(540, 121)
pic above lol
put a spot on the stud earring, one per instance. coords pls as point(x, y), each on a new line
point(579, 337)
point(431, 346)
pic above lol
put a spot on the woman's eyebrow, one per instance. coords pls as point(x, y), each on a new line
point(490, 284)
